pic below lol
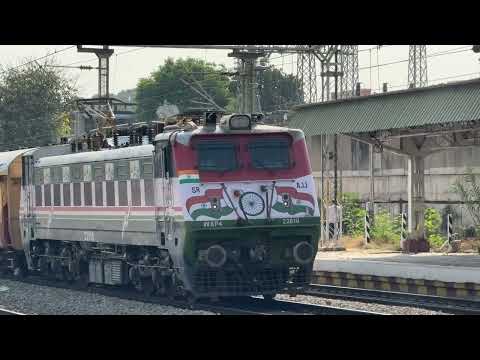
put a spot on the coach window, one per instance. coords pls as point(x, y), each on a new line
point(57, 175)
point(99, 172)
point(66, 174)
point(135, 169)
point(38, 176)
point(87, 173)
point(76, 173)
point(147, 169)
point(46, 176)
point(109, 171)
point(122, 170)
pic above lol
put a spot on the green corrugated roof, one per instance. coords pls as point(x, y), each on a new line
point(410, 108)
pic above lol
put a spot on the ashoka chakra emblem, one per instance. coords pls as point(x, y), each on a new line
point(252, 204)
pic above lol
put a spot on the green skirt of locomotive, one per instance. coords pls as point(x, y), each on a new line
point(278, 239)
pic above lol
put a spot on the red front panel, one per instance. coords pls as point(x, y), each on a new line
point(186, 159)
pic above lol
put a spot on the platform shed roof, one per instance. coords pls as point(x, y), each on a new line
point(412, 108)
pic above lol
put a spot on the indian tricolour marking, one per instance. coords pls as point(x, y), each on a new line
point(188, 177)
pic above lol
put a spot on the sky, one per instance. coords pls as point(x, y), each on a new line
point(129, 64)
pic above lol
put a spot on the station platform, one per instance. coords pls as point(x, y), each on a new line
point(454, 275)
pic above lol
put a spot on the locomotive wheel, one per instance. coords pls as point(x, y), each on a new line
point(43, 266)
point(148, 287)
point(135, 278)
point(83, 280)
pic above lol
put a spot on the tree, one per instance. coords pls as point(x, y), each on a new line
point(279, 91)
point(35, 101)
point(166, 84)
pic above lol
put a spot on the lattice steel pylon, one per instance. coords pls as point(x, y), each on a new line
point(417, 66)
point(349, 66)
point(307, 76)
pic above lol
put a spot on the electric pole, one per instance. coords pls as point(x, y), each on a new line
point(349, 66)
point(417, 66)
point(103, 55)
point(247, 66)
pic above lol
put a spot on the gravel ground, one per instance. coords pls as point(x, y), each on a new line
point(380, 308)
point(34, 299)
point(42, 300)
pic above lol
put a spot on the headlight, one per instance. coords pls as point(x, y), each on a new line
point(303, 253)
point(286, 200)
point(216, 256)
point(240, 122)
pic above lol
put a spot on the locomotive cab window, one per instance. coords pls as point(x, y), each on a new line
point(271, 154)
point(216, 156)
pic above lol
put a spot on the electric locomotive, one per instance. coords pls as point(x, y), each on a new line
point(224, 209)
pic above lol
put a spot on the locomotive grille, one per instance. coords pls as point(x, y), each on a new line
point(237, 283)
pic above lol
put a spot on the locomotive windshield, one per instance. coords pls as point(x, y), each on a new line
point(270, 154)
point(216, 156)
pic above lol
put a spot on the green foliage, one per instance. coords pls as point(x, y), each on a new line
point(385, 229)
point(353, 214)
point(468, 189)
point(63, 125)
point(433, 221)
point(34, 104)
point(165, 84)
point(436, 240)
point(279, 91)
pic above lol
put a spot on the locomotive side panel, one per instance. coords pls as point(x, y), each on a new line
point(107, 201)
point(100, 211)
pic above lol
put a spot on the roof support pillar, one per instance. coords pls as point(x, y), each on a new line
point(416, 205)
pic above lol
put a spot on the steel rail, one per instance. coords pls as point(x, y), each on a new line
point(9, 312)
point(233, 306)
point(448, 304)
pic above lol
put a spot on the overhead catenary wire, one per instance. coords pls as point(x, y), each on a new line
point(37, 59)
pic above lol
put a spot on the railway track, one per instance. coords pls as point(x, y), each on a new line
point(9, 312)
point(285, 307)
point(451, 305)
point(241, 306)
